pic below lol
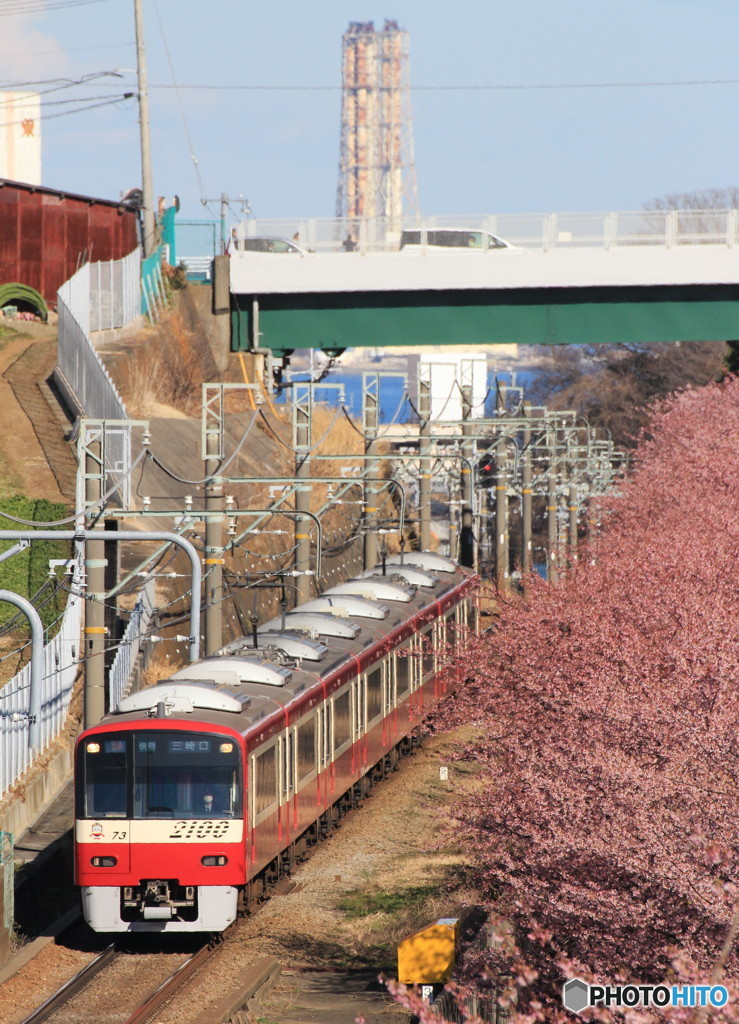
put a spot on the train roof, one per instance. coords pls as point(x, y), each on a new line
point(242, 685)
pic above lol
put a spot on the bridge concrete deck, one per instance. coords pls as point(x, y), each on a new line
point(421, 270)
point(630, 293)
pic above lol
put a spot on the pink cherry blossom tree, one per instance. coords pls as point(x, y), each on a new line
point(605, 830)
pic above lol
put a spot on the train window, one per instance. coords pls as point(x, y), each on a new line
point(185, 775)
point(156, 774)
point(471, 616)
point(427, 652)
point(265, 779)
point(342, 720)
point(374, 693)
point(306, 748)
point(402, 673)
point(104, 774)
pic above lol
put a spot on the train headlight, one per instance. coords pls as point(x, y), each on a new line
point(93, 748)
point(226, 748)
point(214, 861)
point(104, 862)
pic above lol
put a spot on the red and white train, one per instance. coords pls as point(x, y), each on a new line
point(196, 792)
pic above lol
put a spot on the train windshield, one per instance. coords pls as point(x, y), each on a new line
point(167, 774)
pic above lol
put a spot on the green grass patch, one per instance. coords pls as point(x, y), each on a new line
point(8, 334)
point(27, 572)
point(363, 904)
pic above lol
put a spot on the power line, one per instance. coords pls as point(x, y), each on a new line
point(500, 87)
point(193, 157)
point(12, 7)
point(73, 49)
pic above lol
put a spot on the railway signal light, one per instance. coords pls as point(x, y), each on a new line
point(486, 470)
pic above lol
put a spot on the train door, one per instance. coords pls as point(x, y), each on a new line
point(403, 674)
point(374, 708)
point(426, 666)
point(359, 724)
point(265, 803)
point(286, 781)
point(439, 634)
point(452, 648)
point(324, 751)
point(389, 701)
point(413, 661)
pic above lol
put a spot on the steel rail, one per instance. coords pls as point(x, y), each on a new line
point(171, 985)
point(73, 986)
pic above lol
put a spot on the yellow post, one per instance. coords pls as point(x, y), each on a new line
point(427, 957)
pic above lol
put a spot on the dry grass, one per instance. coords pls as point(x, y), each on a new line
point(161, 666)
point(424, 878)
point(12, 656)
point(166, 367)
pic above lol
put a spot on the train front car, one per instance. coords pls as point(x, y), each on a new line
point(195, 792)
point(159, 821)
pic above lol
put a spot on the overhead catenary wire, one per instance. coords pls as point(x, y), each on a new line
point(193, 157)
point(97, 504)
point(315, 445)
point(222, 466)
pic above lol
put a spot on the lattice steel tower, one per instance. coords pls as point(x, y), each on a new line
point(376, 171)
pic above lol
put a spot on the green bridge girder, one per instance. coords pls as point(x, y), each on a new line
point(543, 316)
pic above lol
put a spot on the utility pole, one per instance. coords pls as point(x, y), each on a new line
point(147, 187)
point(424, 451)
point(224, 201)
point(501, 501)
point(213, 547)
point(563, 516)
point(95, 603)
point(573, 509)
point(302, 410)
point(468, 476)
point(526, 495)
point(552, 507)
point(370, 413)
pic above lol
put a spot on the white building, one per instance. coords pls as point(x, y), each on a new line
point(447, 373)
point(20, 137)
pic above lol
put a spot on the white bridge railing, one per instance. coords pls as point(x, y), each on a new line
point(661, 228)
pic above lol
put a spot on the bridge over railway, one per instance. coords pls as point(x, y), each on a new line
point(578, 278)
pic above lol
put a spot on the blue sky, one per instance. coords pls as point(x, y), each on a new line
point(481, 150)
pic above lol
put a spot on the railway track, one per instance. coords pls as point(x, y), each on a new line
point(60, 1007)
point(69, 1002)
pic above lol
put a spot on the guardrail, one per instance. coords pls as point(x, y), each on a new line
point(662, 228)
point(114, 292)
point(119, 678)
point(153, 294)
point(84, 375)
point(61, 656)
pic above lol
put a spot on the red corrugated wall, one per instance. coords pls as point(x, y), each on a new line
point(45, 236)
